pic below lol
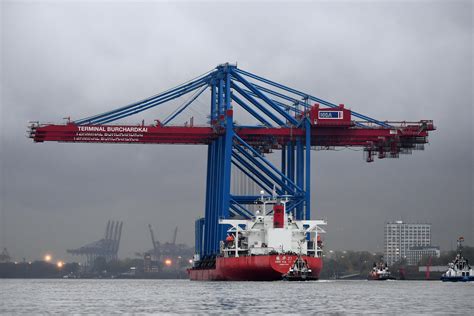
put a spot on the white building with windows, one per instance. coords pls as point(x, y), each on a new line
point(399, 237)
point(415, 254)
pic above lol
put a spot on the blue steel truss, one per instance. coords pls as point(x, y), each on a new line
point(273, 105)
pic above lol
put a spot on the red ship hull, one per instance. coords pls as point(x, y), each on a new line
point(254, 268)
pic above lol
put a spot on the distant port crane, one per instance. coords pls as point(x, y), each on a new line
point(282, 118)
point(106, 247)
point(164, 249)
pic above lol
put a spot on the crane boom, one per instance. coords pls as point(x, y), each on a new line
point(400, 136)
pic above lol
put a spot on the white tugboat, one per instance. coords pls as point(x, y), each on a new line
point(459, 270)
point(380, 272)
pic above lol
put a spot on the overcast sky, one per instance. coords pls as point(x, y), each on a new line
point(389, 60)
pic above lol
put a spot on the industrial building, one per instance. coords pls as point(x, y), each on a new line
point(400, 237)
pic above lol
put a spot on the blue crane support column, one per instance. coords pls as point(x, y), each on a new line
point(290, 162)
point(227, 157)
point(299, 174)
point(308, 169)
point(218, 177)
point(210, 187)
point(219, 162)
point(198, 232)
point(283, 162)
point(204, 250)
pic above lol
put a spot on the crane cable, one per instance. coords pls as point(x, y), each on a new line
point(183, 106)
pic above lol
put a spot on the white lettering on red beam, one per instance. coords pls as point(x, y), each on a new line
point(109, 135)
point(111, 129)
point(105, 139)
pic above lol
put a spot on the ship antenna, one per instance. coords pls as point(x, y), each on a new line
point(263, 202)
point(460, 240)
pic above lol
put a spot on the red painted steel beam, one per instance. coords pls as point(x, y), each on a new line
point(274, 137)
point(124, 134)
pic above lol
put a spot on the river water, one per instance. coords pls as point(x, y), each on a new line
point(182, 296)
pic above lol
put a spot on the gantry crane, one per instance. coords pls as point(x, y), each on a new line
point(283, 119)
point(106, 247)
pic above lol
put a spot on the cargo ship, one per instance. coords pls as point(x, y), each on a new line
point(272, 245)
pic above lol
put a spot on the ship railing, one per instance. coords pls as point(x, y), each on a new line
point(265, 250)
point(230, 252)
point(314, 251)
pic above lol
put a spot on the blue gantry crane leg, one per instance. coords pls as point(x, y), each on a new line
point(292, 179)
point(219, 163)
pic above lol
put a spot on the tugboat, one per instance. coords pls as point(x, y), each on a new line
point(380, 272)
point(300, 271)
point(459, 269)
point(272, 245)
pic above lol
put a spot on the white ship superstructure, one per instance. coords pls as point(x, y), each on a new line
point(272, 231)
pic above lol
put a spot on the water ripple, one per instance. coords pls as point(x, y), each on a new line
point(203, 298)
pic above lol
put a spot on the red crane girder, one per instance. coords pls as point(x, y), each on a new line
point(401, 135)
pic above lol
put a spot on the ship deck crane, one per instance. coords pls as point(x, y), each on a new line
point(285, 119)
